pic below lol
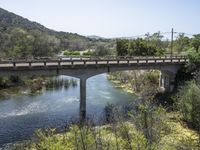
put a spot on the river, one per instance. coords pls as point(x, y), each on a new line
point(21, 115)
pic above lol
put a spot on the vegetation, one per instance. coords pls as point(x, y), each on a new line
point(184, 101)
point(6, 82)
point(150, 45)
point(189, 104)
point(155, 45)
point(87, 53)
point(118, 136)
point(71, 53)
point(136, 80)
point(32, 85)
point(196, 42)
point(187, 98)
point(146, 126)
point(21, 38)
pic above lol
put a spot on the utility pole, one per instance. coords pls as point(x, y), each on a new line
point(172, 36)
point(147, 36)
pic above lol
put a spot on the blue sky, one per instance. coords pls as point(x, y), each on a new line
point(110, 18)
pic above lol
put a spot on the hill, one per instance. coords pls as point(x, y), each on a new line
point(22, 38)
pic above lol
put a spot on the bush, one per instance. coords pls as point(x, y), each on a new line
point(88, 53)
point(71, 53)
point(189, 103)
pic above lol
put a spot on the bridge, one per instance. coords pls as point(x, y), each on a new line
point(84, 68)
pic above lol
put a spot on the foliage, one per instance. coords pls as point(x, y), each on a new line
point(122, 47)
point(189, 71)
point(155, 131)
point(21, 38)
point(87, 53)
point(71, 53)
point(194, 57)
point(150, 45)
point(6, 82)
point(155, 45)
point(109, 112)
point(182, 43)
point(138, 81)
point(179, 136)
point(35, 85)
point(140, 47)
point(151, 121)
point(196, 42)
point(90, 138)
point(189, 103)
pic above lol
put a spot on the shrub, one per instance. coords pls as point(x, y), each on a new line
point(189, 103)
point(71, 53)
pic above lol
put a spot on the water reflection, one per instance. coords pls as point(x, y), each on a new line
point(58, 83)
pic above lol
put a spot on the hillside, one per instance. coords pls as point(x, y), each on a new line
point(21, 38)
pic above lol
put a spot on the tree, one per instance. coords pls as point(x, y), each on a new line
point(101, 50)
point(181, 43)
point(196, 42)
point(20, 44)
point(138, 47)
point(156, 40)
point(189, 105)
point(122, 47)
point(148, 117)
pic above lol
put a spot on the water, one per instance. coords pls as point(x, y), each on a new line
point(20, 116)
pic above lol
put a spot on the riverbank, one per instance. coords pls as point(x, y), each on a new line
point(126, 87)
point(34, 86)
point(172, 134)
point(120, 135)
point(26, 87)
point(180, 136)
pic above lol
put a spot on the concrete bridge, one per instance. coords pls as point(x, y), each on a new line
point(84, 68)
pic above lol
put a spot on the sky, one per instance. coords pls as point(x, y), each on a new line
point(110, 18)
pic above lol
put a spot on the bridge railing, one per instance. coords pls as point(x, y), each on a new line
point(91, 58)
point(94, 61)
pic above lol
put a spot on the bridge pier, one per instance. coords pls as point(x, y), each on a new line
point(82, 100)
point(167, 81)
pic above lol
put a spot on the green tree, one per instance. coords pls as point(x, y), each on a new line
point(189, 105)
point(181, 43)
point(196, 42)
point(20, 44)
point(102, 50)
point(138, 47)
point(122, 47)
